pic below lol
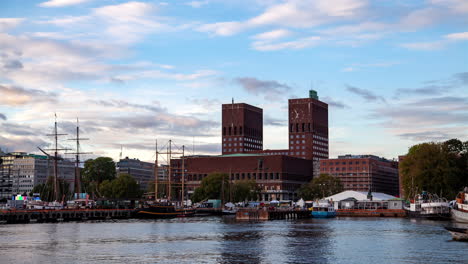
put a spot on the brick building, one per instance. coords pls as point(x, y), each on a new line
point(364, 172)
point(279, 173)
point(278, 176)
point(242, 128)
point(308, 128)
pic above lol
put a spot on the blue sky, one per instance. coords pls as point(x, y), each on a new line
point(395, 73)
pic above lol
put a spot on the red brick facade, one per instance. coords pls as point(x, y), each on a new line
point(364, 172)
point(278, 176)
point(242, 128)
point(308, 128)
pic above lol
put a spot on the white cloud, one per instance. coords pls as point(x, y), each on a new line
point(62, 3)
point(439, 44)
point(294, 44)
point(274, 34)
point(9, 23)
point(294, 13)
point(457, 36)
point(197, 4)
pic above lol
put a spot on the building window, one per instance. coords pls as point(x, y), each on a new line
point(224, 131)
point(235, 130)
point(240, 130)
point(303, 127)
point(297, 127)
point(291, 128)
point(229, 131)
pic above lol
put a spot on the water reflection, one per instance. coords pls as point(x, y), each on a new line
point(223, 240)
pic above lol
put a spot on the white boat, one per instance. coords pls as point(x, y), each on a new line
point(323, 209)
point(426, 205)
point(229, 209)
point(459, 211)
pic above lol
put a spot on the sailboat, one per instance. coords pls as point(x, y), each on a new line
point(164, 208)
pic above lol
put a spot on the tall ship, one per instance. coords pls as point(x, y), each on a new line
point(430, 206)
point(459, 210)
point(166, 208)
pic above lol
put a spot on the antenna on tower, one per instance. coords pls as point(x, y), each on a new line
point(120, 155)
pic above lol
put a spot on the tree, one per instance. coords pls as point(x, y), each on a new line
point(47, 193)
point(96, 171)
point(322, 186)
point(212, 187)
point(123, 187)
point(439, 168)
point(245, 191)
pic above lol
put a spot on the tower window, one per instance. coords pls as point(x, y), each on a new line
point(229, 130)
point(303, 127)
point(240, 130)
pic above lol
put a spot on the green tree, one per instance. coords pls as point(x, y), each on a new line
point(123, 187)
point(47, 193)
point(212, 187)
point(96, 171)
point(322, 186)
point(439, 168)
point(246, 190)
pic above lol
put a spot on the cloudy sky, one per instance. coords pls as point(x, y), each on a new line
point(394, 73)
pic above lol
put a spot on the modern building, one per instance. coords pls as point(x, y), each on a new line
point(364, 173)
point(30, 170)
point(142, 172)
point(278, 173)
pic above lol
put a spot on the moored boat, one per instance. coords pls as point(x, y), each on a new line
point(323, 209)
point(430, 206)
point(460, 234)
point(163, 210)
point(459, 211)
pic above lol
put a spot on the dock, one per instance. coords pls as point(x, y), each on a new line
point(371, 213)
point(45, 216)
point(255, 214)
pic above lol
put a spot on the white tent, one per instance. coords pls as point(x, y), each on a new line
point(360, 196)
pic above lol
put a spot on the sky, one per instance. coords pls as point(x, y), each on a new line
point(394, 72)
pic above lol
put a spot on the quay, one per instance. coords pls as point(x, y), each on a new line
point(371, 213)
point(44, 216)
point(253, 214)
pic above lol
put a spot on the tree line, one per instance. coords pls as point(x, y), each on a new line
point(437, 167)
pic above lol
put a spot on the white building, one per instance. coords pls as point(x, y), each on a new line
point(31, 170)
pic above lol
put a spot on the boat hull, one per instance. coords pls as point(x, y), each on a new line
point(322, 214)
point(459, 216)
point(435, 216)
point(460, 234)
point(157, 212)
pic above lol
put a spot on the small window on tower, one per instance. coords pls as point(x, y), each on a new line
point(297, 127)
point(303, 127)
point(235, 130)
point(240, 130)
point(291, 128)
point(308, 127)
point(224, 131)
point(229, 132)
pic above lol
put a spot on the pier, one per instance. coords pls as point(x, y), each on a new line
point(44, 216)
point(371, 213)
point(277, 214)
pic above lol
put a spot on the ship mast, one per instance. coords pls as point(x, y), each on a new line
point(183, 176)
point(77, 158)
point(156, 176)
point(56, 157)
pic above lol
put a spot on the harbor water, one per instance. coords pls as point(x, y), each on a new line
point(224, 240)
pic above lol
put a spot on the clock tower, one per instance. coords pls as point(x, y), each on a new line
point(308, 127)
